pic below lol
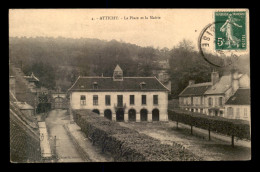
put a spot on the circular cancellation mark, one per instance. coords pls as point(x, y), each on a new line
point(207, 48)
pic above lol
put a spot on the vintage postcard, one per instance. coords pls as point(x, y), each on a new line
point(129, 85)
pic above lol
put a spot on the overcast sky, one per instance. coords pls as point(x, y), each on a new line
point(171, 28)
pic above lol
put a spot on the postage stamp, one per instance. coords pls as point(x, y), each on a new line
point(230, 30)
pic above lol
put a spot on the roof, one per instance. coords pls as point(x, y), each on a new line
point(221, 86)
point(118, 68)
point(195, 89)
point(31, 78)
point(24, 105)
point(241, 97)
point(108, 84)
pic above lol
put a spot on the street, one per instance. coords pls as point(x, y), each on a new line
point(65, 149)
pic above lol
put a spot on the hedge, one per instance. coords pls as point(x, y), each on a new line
point(43, 107)
point(126, 144)
point(231, 127)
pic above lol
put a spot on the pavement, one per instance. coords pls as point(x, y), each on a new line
point(62, 146)
point(44, 141)
point(93, 153)
point(71, 143)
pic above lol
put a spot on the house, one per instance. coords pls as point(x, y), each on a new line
point(121, 98)
point(222, 90)
point(210, 97)
point(238, 105)
point(32, 82)
point(192, 97)
point(25, 108)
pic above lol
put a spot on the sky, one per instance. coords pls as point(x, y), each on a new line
point(173, 26)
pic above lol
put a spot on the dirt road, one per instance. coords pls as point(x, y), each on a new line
point(197, 143)
point(65, 149)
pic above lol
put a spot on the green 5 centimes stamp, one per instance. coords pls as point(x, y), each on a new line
point(230, 30)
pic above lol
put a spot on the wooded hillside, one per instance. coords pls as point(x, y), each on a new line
point(59, 61)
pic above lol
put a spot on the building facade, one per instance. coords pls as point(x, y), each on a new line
point(121, 98)
point(238, 105)
point(209, 98)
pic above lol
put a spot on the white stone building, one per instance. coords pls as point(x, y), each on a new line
point(210, 97)
point(121, 98)
point(238, 105)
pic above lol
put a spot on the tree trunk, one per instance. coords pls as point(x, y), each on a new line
point(209, 135)
point(232, 141)
point(191, 130)
point(177, 124)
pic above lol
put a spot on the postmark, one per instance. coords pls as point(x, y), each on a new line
point(221, 45)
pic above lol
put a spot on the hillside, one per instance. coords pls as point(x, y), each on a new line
point(57, 62)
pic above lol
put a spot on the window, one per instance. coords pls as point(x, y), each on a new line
point(132, 99)
point(82, 100)
point(230, 111)
point(107, 98)
point(143, 99)
point(216, 101)
point(245, 112)
point(221, 101)
point(238, 113)
point(210, 101)
point(155, 99)
point(95, 100)
point(120, 100)
point(95, 85)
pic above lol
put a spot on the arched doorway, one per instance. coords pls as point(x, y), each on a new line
point(96, 111)
point(58, 101)
point(120, 114)
point(131, 115)
point(155, 115)
point(143, 114)
point(108, 114)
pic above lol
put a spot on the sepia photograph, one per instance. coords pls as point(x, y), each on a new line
point(129, 85)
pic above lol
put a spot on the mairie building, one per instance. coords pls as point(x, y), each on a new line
point(120, 98)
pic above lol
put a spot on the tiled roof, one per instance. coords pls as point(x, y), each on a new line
point(24, 142)
point(221, 86)
point(241, 97)
point(195, 89)
point(128, 84)
point(24, 105)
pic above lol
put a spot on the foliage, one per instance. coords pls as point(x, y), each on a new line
point(59, 61)
point(230, 127)
point(43, 108)
point(126, 144)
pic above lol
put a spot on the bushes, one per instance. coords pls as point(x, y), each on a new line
point(230, 127)
point(43, 107)
point(126, 144)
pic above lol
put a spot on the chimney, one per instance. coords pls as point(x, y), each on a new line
point(234, 81)
point(214, 77)
point(12, 84)
point(191, 82)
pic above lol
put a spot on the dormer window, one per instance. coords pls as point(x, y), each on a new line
point(118, 74)
point(143, 85)
point(95, 85)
